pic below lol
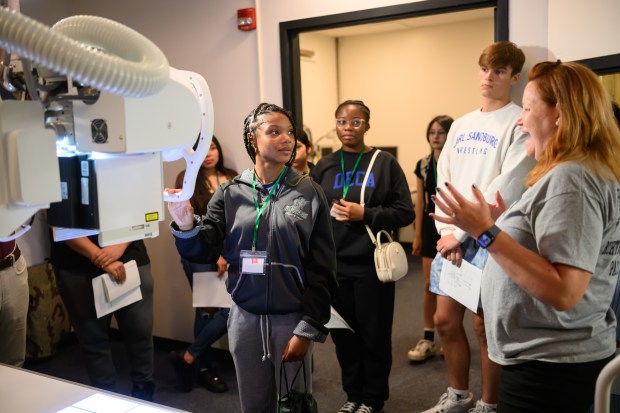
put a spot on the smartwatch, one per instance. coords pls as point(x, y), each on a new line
point(487, 237)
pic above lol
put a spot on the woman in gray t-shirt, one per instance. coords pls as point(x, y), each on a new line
point(555, 253)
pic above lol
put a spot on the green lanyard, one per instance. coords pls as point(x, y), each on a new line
point(347, 181)
point(261, 208)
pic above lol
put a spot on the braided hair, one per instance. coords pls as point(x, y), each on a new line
point(360, 104)
point(251, 123)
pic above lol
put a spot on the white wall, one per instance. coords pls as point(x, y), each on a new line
point(319, 83)
point(581, 29)
point(272, 12)
point(47, 12)
point(407, 77)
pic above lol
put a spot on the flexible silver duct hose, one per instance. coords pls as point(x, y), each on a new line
point(127, 63)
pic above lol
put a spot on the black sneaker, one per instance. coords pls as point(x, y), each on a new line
point(211, 381)
point(183, 370)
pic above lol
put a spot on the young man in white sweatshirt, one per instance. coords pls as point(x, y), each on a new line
point(485, 148)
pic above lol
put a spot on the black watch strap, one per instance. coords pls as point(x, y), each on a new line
point(487, 237)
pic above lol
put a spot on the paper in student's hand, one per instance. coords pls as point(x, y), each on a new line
point(336, 321)
point(103, 306)
point(209, 290)
point(461, 283)
point(113, 290)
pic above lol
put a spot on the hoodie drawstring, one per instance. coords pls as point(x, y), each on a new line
point(264, 333)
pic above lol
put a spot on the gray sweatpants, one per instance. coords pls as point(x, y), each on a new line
point(257, 343)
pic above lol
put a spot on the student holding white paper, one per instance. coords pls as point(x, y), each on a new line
point(272, 224)
point(486, 147)
point(76, 263)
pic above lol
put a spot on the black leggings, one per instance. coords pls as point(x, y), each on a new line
point(543, 387)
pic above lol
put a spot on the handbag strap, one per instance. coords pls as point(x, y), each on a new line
point(387, 234)
point(302, 365)
point(362, 203)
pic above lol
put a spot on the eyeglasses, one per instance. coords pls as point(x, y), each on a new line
point(355, 123)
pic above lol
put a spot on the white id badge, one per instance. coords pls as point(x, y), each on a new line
point(253, 262)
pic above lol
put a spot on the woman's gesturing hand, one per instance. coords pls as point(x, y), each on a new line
point(473, 217)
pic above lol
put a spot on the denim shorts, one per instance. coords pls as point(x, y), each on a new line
point(472, 253)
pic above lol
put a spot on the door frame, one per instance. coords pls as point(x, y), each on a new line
point(290, 31)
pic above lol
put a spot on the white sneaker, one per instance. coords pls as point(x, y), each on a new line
point(480, 408)
point(450, 402)
point(349, 407)
point(425, 349)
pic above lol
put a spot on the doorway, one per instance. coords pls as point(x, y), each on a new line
point(290, 31)
point(402, 93)
point(407, 71)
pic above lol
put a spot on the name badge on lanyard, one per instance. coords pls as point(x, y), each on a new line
point(253, 262)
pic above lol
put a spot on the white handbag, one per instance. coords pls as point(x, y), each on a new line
point(390, 258)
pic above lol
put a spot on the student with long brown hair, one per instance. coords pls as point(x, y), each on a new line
point(209, 322)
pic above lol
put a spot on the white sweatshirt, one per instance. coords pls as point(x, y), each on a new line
point(486, 149)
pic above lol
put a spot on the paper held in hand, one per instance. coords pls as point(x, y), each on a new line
point(110, 296)
point(336, 321)
point(210, 290)
point(113, 290)
point(462, 284)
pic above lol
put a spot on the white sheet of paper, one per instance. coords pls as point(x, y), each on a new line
point(113, 290)
point(103, 306)
point(210, 290)
point(462, 284)
point(63, 234)
point(336, 321)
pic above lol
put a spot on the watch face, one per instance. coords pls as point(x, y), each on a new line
point(485, 240)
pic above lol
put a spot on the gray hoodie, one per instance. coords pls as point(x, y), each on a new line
point(295, 230)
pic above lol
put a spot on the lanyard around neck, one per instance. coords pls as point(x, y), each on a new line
point(261, 208)
point(347, 180)
point(210, 185)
